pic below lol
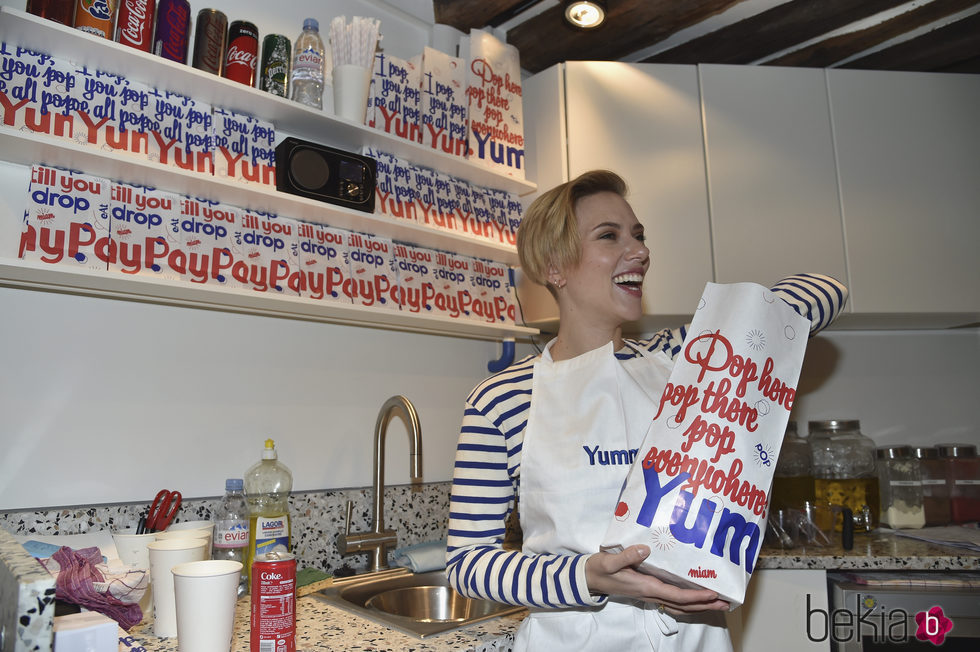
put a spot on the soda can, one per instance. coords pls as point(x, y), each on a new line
point(134, 25)
point(274, 71)
point(210, 39)
point(173, 30)
point(273, 625)
point(242, 56)
point(60, 11)
point(95, 17)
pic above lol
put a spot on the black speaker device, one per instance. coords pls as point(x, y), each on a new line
point(326, 174)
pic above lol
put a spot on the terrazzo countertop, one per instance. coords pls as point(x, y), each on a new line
point(321, 627)
point(879, 550)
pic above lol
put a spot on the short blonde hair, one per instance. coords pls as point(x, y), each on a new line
point(548, 234)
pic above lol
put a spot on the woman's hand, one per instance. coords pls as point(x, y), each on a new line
point(613, 574)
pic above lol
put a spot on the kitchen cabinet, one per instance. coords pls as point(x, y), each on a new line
point(777, 611)
point(908, 155)
point(18, 28)
point(643, 122)
point(771, 174)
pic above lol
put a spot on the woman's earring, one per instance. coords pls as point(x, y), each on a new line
point(559, 284)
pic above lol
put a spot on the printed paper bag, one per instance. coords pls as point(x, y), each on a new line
point(698, 491)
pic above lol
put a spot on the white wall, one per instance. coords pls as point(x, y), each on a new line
point(906, 387)
point(109, 401)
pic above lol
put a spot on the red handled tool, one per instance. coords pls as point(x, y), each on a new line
point(163, 510)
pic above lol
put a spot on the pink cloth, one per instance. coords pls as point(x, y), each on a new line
point(74, 584)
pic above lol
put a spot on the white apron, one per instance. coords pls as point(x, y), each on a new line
point(586, 415)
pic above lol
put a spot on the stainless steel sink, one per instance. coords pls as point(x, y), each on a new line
point(419, 604)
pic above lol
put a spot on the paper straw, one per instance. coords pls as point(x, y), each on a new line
point(356, 42)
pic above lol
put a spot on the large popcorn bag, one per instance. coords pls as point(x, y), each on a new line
point(698, 491)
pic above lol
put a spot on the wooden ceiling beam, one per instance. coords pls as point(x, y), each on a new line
point(772, 31)
point(467, 14)
point(546, 39)
point(826, 53)
point(940, 49)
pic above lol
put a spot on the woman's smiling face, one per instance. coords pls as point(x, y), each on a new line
point(606, 284)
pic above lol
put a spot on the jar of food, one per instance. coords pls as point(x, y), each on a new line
point(900, 484)
point(844, 471)
point(792, 483)
point(963, 480)
point(935, 492)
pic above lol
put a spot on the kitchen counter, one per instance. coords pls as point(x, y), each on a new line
point(321, 627)
point(879, 550)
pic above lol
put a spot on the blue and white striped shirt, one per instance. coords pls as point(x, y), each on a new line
point(486, 477)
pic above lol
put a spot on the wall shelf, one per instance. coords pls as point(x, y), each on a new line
point(19, 29)
point(27, 148)
point(26, 30)
point(112, 285)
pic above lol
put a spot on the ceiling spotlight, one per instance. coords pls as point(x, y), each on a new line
point(585, 14)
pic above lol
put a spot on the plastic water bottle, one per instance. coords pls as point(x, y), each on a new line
point(267, 487)
point(306, 78)
point(231, 529)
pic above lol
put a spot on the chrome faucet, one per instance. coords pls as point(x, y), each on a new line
point(378, 539)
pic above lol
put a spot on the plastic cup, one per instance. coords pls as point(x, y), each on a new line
point(350, 91)
point(164, 555)
point(206, 593)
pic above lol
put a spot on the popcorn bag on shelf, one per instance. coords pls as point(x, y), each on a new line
point(444, 216)
point(466, 220)
point(143, 240)
point(697, 493)
point(323, 262)
point(449, 295)
point(200, 241)
point(67, 219)
point(394, 96)
point(443, 102)
point(244, 148)
point(491, 293)
point(264, 254)
point(182, 133)
point(424, 196)
point(372, 280)
point(416, 278)
point(495, 109)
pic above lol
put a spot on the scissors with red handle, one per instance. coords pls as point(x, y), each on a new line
point(163, 509)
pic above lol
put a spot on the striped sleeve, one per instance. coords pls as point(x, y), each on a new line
point(817, 297)
point(482, 497)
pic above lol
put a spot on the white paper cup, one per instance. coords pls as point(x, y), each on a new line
point(350, 91)
point(132, 547)
point(191, 529)
point(164, 555)
point(132, 551)
point(206, 593)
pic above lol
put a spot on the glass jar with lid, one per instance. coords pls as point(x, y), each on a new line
point(844, 470)
point(900, 484)
point(963, 480)
point(792, 483)
point(935, 492)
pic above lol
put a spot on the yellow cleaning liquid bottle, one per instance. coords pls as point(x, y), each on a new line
point(267, 487)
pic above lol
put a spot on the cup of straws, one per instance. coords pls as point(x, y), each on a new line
point(352, 46)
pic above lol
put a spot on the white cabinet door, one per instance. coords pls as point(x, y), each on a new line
point(783, 610)
point(643, 121)
point(772, 179)
point(908, 151)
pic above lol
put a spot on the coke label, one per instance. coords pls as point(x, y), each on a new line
point(134, 26)
point(242, 58)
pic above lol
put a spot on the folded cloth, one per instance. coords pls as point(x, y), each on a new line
point(422, 557)
point(76, 576)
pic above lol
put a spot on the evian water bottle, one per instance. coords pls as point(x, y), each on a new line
point(231, 528)
point(306, 79)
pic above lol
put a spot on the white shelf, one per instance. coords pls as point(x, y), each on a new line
point(26, 30)
point(27, 148)
point(18, 28)
point(94, 283)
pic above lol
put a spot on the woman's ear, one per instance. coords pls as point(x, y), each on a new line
point(555, 277)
